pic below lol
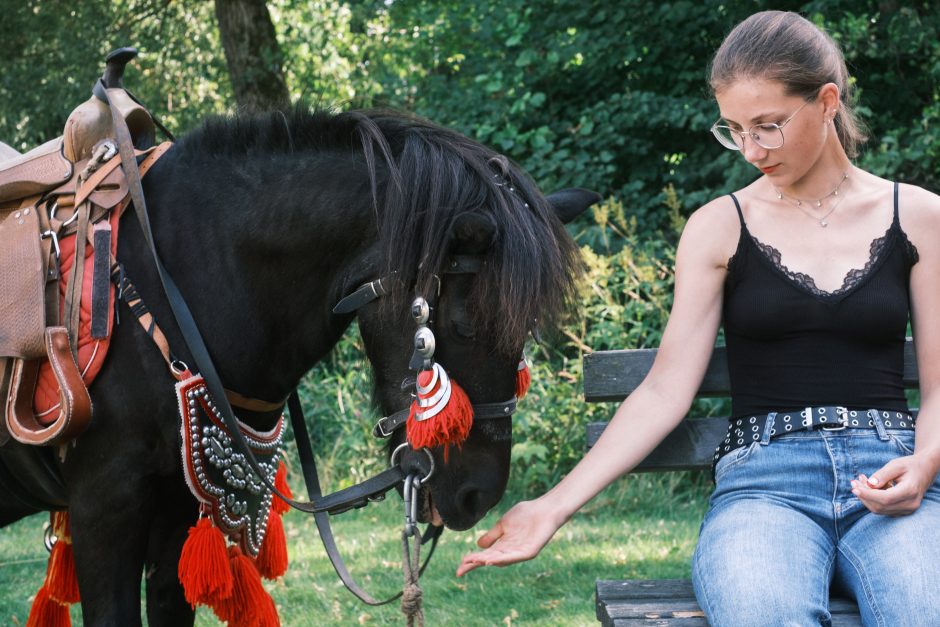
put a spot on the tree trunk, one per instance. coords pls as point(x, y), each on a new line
point(252, 54)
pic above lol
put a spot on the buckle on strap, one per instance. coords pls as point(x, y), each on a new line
point(363, 295)
point(843, 416)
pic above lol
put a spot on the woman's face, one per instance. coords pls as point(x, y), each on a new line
point(748, 102)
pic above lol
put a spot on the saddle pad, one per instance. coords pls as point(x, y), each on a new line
point(91, 352)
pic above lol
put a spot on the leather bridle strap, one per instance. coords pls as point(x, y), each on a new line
point(363, 295)
point(387, 425)
point(368, 292)
point(311, 479)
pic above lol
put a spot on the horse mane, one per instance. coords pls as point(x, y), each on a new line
point(422, 177)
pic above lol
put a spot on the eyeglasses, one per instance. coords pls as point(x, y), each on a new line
point(767, 136)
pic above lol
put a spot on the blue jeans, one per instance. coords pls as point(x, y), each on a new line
point(783, 526)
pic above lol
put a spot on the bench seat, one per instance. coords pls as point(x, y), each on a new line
point(671, 603)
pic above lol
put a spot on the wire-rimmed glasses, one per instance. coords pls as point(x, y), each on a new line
point(768, 135)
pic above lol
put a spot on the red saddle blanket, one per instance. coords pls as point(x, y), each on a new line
point(91, 351)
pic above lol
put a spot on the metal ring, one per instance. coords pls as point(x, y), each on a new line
point(178, 367)
point(397, 451)
point(72, 219)
point(49, 538)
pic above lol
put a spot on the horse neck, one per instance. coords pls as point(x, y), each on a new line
point(261, 250)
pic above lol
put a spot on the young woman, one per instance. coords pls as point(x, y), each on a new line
point(813, 270)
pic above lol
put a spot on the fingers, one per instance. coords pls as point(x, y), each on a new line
point(495, 533)
point(467, 565)
point(887, 474)
point(891, 490)
point(493, 557)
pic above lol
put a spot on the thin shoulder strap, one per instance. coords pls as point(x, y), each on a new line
point(897, 219)
point(737, 206)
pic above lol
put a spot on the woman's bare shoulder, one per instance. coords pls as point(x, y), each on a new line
point(919, 213)
point(713, 230)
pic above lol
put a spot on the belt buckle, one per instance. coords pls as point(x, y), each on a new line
point(843, 415)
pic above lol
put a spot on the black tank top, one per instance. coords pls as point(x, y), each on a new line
point(791, 344)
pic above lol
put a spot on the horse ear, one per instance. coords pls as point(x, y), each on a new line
point(570, 203)
point(472, 233)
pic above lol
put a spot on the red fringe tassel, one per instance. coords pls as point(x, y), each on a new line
point(61, 582)
point(249, 605)
point(278, 504)
point(272, 558)
point(450, 426)
point(523, 379)
point(47, 612)
point(51, 606)
point(204, 568)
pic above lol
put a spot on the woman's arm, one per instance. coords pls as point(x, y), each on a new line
point(899, 486)
point(655, 407)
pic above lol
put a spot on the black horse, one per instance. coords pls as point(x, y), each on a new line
point(265, 223)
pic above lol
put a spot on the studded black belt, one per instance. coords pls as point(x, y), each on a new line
point(743, 431)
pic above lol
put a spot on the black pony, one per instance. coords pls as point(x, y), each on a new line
point(265, 223)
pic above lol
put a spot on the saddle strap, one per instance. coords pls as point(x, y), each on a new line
point(74, 401)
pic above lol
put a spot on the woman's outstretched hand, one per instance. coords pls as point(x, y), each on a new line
point(516, 537)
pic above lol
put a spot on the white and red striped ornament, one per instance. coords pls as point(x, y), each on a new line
point(441, 414)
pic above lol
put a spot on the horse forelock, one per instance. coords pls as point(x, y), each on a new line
point(423, 176)
point(438, 174)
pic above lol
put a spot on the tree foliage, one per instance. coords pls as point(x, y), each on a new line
point(613, 96)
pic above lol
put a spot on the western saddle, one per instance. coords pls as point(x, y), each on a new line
point(67, 186)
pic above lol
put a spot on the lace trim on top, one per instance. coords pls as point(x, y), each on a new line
point(853, 277)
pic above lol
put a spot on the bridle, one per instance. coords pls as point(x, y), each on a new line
point(424, 342)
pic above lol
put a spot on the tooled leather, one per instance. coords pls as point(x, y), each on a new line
point(22, 280)
point(35, 172)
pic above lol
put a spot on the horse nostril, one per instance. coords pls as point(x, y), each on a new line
point(474, 503)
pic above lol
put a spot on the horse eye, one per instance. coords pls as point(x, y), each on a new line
point(463, 330)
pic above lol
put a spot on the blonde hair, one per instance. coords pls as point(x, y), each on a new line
point(789, 49)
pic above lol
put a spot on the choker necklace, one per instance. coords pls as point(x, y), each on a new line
point(798, 203)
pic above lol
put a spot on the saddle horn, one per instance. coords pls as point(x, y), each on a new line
point(92, 122)
point(113, 76)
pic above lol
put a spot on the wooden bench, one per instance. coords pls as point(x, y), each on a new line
point(612, 376)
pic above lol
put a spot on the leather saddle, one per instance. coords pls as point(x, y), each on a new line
point(62, 188)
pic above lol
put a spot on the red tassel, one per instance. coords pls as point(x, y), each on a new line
point(523, 379)
point(272, 558)
point(46, 612)
point(451, 425)
point(204, 568)
point(279, 505)
point(61, 582)
point(61, 526)
point(249, 605)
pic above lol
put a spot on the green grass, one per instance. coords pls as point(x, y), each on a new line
point(642, 527)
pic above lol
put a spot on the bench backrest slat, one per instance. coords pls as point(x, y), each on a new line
point(613, 375)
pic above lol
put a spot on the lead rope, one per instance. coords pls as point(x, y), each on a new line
point(411, 598)
point(411, 595)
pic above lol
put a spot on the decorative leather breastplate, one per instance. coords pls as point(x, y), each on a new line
point(220, 477)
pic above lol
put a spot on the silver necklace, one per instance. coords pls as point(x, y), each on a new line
point(798, 202)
